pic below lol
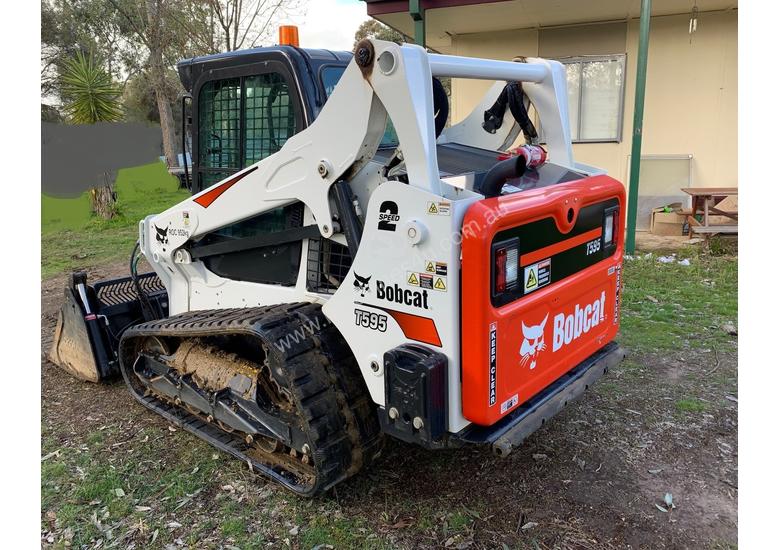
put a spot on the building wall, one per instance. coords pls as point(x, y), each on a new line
point(691, 94)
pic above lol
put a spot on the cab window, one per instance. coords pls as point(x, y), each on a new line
point(330, 77)
point(240, 121)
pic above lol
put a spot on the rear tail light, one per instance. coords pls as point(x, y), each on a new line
point(500, 270)
point(506, 266)
point(611, 230)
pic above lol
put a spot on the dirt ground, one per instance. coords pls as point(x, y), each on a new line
point(595, 477)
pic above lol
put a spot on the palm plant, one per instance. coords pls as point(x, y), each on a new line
point(91, 96)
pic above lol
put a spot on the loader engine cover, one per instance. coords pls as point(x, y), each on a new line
point(546, 266)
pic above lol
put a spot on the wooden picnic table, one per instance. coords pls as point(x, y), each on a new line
point(703, 200)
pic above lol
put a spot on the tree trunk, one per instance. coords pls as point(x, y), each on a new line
point(166, 124)
point(103, 199)
point(157, 74)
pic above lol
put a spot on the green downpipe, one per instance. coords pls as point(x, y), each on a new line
point(639, 111)
point(418, 16)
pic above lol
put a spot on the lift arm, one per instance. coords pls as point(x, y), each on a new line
point(383, 79)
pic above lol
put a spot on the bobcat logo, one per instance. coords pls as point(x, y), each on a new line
point(162, 235)
point(361, 284)
point(533, 343)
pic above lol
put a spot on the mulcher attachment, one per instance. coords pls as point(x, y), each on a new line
point(92, 319)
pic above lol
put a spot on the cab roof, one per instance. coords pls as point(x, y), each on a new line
point(190, 69)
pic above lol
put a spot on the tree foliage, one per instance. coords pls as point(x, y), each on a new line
point(140, 41)
point(87, 26)
point(91, 96)
point(89, 93)
point(120, 32)
point(375, 29)
point(245, 23)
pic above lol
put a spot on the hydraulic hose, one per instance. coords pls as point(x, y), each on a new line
point(494, 180)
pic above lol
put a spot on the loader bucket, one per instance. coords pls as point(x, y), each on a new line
point(81, 343)
point(93, 318)
point(71, 349)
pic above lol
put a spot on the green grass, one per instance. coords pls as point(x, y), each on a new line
point(691, 405)
point(64, 214)
point(233, 527)
point(71, 238)
point(670, 306)
point(459, 521)
point(339, 532)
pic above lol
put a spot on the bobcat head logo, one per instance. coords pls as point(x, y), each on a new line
point(162, 235)
point(533, 343)
point(361, 284)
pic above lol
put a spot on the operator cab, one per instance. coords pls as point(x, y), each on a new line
point(246, 104)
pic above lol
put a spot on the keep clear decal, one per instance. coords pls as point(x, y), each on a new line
point(492, 362)
point(617, 295)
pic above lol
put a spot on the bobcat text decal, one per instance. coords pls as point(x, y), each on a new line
point(567, 328)
point(399, 295)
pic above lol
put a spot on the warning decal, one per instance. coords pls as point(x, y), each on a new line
point(438, 208)
point(532, 281)
point(430, 267)
point(440, 284)
point(426, 281)
point(423, 280)
point(536, 276)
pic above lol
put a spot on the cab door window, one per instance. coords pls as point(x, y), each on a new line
point(269, 118)
point(242, 120)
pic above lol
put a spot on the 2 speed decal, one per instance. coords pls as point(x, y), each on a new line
point(388, 216)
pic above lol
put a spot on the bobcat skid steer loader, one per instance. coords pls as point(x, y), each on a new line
point(325, 285)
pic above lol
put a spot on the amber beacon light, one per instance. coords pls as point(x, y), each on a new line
point(288, 35)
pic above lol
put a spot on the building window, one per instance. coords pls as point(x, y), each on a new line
point(595, 86)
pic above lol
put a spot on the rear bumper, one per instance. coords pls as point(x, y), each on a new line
point(514, 428)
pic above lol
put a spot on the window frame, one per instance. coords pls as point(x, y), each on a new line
point(580, 59)
point(242, 72)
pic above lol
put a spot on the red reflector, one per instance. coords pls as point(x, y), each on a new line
point(500, 270)
point(90, 317)
point(615, 226)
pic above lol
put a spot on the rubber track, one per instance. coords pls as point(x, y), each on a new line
point(317, 367)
